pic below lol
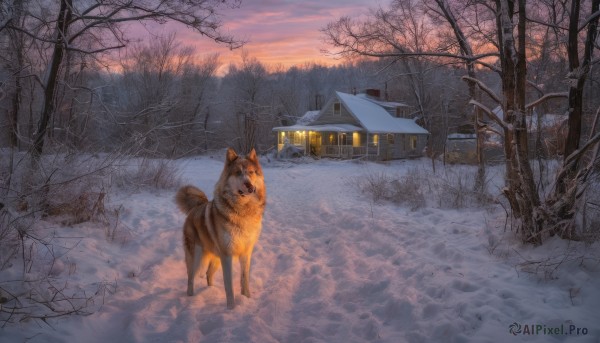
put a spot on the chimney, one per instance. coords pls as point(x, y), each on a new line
point(374, 93)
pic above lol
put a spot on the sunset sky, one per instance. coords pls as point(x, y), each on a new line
point(279, 32)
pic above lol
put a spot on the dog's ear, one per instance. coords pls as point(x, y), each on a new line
point(252, 156)
point(231, 156)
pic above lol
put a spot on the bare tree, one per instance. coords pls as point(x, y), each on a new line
point(164, 94)
point(75, 21)
point(249, 89)
point(444, 9)
point(503, 25)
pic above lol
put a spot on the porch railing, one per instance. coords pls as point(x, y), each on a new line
point(346, 151)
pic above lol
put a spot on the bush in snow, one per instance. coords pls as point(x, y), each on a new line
point(149, 173)
point(454, 188)
point(63, 189)
point(402, 190)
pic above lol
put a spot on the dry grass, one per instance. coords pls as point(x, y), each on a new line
point(63, 189)
point(453, 188)
point(402, 190)
point(150, 173)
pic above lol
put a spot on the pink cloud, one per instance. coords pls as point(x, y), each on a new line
point(278, 32)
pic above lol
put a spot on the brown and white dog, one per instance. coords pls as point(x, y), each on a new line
point(226, 227)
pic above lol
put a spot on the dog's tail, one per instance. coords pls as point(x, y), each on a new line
point(189, 197)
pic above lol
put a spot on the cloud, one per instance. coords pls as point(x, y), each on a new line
point(282, 32)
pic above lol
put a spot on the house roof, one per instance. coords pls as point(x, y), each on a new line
point(457, 136)
point(547, 119)
point(382, 103)
point(320, 128)
point(375, 119)
point(369, 113)
point(308, 117)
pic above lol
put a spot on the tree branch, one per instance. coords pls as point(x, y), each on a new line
point(484, 88)
point(545, 98)
point(490, 113)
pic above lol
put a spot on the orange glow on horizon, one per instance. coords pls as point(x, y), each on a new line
point(280, 35)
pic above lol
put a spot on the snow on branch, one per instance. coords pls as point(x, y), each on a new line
point(588, 20)
point(490, 113)
point(484, 88)
point(547, 97)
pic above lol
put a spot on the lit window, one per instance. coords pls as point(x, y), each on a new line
point(282, 138)
point(332, 139)
point(413, 142)
point(375, 140)
point(355, 139)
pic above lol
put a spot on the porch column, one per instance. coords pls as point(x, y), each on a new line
point(367, 155)
point(339, 145)
point(306, 139)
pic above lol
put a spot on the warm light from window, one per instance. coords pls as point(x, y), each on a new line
point(355, 139)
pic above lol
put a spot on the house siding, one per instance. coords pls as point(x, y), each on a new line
point(399, 146)
point(327, 116)
point(339, 143)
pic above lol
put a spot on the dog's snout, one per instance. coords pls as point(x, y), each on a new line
point(249, 186)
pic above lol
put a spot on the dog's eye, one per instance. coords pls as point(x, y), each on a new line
point(251, 172)
point(239, 173)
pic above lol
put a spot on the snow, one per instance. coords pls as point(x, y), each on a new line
point(320, 128)
point(375, 119)
point(391, 104)
point(308, 117)
point(462, 136)
point(330, 266)
point(548, 120)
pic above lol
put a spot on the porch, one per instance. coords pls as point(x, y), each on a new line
point(348, 151)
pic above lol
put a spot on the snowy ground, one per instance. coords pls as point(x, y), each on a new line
point(330, 266)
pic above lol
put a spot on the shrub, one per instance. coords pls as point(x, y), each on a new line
point(401, 190)
point(150, 173)
point(452, 189)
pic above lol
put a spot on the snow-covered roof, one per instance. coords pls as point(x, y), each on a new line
point(320, 128)
point(375, 119)
point(308, 117)
point(547, 120)
point(380, 102)
point(453, 136)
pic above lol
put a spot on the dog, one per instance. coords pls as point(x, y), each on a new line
point(227, 227)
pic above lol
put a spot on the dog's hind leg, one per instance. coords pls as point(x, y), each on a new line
point(213, 265)
point(190, 259)
point(227, 262)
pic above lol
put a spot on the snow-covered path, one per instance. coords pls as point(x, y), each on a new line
point(330, 266)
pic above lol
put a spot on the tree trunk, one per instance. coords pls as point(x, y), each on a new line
point(16, 41)
point(506, 45)
point(466, 50)
point(575, 87)
point(566, 183)
point(49, 104)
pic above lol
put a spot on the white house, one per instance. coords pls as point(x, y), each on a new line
point(353, 126)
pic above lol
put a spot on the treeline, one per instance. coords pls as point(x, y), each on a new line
point(169, 102)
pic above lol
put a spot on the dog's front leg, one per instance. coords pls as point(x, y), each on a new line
point(245, 268)
point(227, 264)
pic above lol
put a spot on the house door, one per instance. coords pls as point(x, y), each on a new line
point(315, 143)
point(389, 147)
